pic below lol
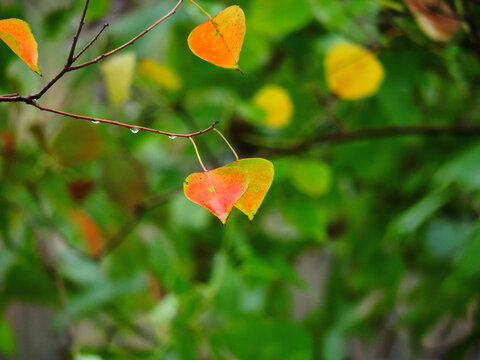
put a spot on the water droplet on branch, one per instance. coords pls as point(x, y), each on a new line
point(134, 130)
point(172, 137)
point(95, 122)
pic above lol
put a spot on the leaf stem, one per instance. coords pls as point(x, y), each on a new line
point(198, 154)
point(201, 9)
point(230, 146)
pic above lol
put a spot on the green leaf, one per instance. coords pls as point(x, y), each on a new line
point(266, 340)
point(77, 143)
point(311, 177)
point(277, 17)
point(8, 344)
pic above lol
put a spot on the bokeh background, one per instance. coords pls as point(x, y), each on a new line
point(365, 249)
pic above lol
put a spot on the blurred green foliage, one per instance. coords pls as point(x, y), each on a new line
point(363, 250)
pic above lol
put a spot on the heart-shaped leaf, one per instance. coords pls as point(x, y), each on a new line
point(217, 190)
point(219, 40)
point(17, 35)
point(260, 174)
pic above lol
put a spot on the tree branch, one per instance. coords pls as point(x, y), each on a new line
point(77, 34)
point(91, 42)
point(117, 123)
point(130, 42)
point(31, 99)
point(472, 25)
point(375, 133)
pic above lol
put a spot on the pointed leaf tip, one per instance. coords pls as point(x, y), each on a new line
point(220, 39)
point(260, 174)
point(217, 190)
point(17, 35)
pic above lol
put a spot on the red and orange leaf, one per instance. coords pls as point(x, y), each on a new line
point(260, 174)
point(17, 35)
point(217, 190)
point(219, 40)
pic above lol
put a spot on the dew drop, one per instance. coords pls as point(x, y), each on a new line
point(95, 122)
point(172, 137)
point(134, 130)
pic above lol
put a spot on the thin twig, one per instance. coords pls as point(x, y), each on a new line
point(198, 155)
point(226, 141)
point(128, 43)
point(77, 34)
point(31, 99)
point(117, 123)
point(91, 42)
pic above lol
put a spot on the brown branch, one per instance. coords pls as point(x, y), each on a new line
point(375, 133)
point(130, 42)
point(77, 34)
point(31, 99)
point(91, 42)
point(117, 123)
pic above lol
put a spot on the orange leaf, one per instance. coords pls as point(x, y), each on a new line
point(260, 174)
point(89, 230)
point(17, 35)
point(217, 190)
point(219, 40)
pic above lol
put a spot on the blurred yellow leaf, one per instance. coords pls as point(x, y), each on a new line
point(17, 35)
point(118, 74)
point(352, 71)
point(437, 20)
point(162, 75)
point(277, 104)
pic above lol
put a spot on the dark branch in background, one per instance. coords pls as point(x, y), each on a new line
point(72, 58)
point(129, 226)
point(472, 24)
point(374, 133)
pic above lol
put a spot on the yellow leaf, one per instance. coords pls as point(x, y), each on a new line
point(17, 35)
point(439, 22)
point(352, 71)
point(118, 74)
point(277, 105)
point(162, 75)
point(220, 39)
